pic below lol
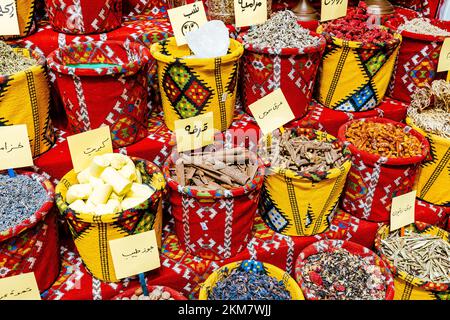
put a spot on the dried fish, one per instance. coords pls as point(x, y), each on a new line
point(424, 256)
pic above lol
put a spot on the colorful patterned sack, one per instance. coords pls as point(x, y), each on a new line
point(426, 8)
point(215, 224)
point(25, 99)
point(302, 204)
point(354, 248)
point(251, 266)
point(354, 76)
point(84, 16)
point(417, 61)
point(294, 71)
point(433, 184)
point(118, 85)
point(155, 8)
point(33, 246)
point(190, 87)
point(92, 233)
point(373, 180)
point(408, 287)
point(26, 18)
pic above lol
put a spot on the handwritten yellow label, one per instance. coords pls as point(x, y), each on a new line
point(444, 56)
point(185, 19)
point(135, 254)
point(85, 146)
point(9, 23)
point(15, 151)
point(403, 210)
point(195, 132)
point(20, 287)
point(250, 12)
point(333, 9)
point(272, 111)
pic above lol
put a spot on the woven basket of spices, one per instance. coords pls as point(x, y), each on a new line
point(111, 73)
point(419, 260)
point(25, 17)
point(214, 198)
point(290, 63)
point(23, 82)
point(92, 231)
point(155, 293)
point(84, 16)
point(28, 239)
point(250, 280)
point(191, 87)
point(343, 270)
point(305, 176)
point(386, 156)
point(419, 55)
point(357, 64)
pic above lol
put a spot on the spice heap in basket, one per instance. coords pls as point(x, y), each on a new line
point(20, 197)
point(223, 169)
point(422, 26)
point(109, 185)
point(156, 294)
point(12, 62)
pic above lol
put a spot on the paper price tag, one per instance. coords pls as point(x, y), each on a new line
point(135, 254)
point(403, 210)
point(195, 132)
point(85, 146)
point(9, 23)
point(250, 12)
point(15, 150)
point(272, 111)
point(185, 19)
point(20, 287)
point(333, 9)
point(444, 56)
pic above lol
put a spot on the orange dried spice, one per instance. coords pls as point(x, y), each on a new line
point(383, 139)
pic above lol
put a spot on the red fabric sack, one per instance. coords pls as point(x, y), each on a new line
point(417, 61)
point(114, 95)
point(156, 8)
point(84, 16)
point(294, 71)
point(373, 180)
point(214, 224)
point(33, 246)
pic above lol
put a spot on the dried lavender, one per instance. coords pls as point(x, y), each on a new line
point(12, 62)
point(341, 275)
point(424, 256)
point(20, 197)
point(422, 26)
point(243, 285)
point(281, 31)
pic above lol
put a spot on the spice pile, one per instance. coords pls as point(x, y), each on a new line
point(12, 62)
point(304, 155)
point(430, 108)
point(223, 169)
point(341, 275)
point(243, 285)
point(111, 184)
point(20, 197)
point(424, 256)
point(281, 31)
point(157, 293)
point(354, 27)
point(383, 139)
point(423, 26)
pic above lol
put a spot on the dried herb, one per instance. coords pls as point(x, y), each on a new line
point(422, 26)
point(341, 275)
point(12, 62)
point(424, 256)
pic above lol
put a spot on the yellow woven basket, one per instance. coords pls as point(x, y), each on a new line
point(191, 87)
point(433, 184)
point(92, 233)
point(251, 266)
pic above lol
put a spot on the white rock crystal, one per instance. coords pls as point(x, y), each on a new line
point(211, 40)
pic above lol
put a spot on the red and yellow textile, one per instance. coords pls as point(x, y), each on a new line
point(374, 180)
point(32, 245)
point(291, 70)
point(84, 16)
